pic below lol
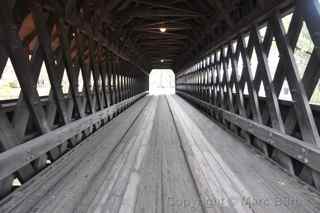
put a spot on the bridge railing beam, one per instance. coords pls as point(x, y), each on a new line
point(88, 84)
point(226, 85)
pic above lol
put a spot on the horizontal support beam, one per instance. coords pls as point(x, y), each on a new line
point(19, 156)
point(143, 13)
point(167, 6)
point(306, 153)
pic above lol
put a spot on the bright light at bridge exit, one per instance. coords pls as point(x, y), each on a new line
point(162, 82)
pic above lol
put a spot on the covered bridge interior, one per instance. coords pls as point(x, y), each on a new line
point(80, 133)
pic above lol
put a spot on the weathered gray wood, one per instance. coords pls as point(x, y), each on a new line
point(306, 153)
point(303, 111)
point(72, 72)
point(213, 178)
point(24, 74)
point(248, 78)
point(26, 197)
point(9, 140)
point(271, 97)
point(251, 169)
point(19, 156)
point(292, 36)
point(96, 74)
point(109, 83)
point(21, 65)
point(45, 43)
point(136, 171)
point(103, 71)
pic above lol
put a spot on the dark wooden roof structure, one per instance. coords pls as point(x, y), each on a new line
point(130, 28)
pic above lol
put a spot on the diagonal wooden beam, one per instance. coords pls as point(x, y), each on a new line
point(111, 44)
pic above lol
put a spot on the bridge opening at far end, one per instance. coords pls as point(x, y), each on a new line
point(161, 82)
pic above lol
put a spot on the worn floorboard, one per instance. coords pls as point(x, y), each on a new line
point(267, 187)
point(167, 184)
point(162, 155)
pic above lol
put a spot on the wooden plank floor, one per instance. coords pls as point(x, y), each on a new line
point(162, 155)
point(235, 172)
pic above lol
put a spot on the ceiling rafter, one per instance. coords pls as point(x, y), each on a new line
point(223, 12)
point(167, 6)
point(133, 26)
point(74, 19)
point(256, 15)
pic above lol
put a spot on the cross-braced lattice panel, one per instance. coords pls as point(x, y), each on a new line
point(57, 85)
point(263, 84)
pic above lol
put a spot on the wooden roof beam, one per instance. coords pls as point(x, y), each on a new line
point(144, 12)
point(167, 6)
point(223, 12)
